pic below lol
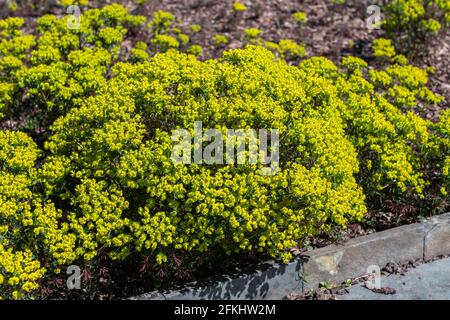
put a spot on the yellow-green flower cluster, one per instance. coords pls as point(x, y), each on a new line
point(165, 42)
point(28, 225)
point(165, 36)
point(391, 145)
point(73, 2)
point(252, 33)
point(383, 48)
point(403, 84)
point(300, 17)
point(13, 48)
point(286, 49)
point(443, 150)
point(239, 6)
point(161, 21)
point(220, 39)
point(19, 273)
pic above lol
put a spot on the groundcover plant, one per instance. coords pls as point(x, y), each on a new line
point(89, 106)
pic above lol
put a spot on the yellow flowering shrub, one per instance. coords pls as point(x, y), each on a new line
point(100, 181)
point(442, 147)
point(167, 207)
point(19, 273)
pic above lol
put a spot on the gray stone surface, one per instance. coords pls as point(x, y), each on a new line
point(427, 281)
point(437, 239)
point(335, 264)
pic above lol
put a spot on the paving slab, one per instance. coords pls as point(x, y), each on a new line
point(437, 239)
point(335, 264)
point(429, 281)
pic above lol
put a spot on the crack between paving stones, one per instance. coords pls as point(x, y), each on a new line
point(425, 240)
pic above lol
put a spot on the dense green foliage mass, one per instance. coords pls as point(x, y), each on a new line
point(412, 23)
point(99, 178)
